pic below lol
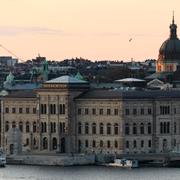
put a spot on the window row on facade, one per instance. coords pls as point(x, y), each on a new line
point(53, 109)
point(100, 128)
point(94, 111)
point(138, 128)
point(138, 144)
point(97, 144)
point(26, 127)
point(20, 110)
point(135, 111)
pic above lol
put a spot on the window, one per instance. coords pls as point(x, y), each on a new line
point(115, 144)
point(79, 128)
point(93, 143)
point(127, 144)
point(149, 128)
point(34, 126)
point(86, 111)
point(79, 111)
point(134, 128)
point(149, 111)
point(101, 143)
point(127, 129)
point(13, 110)
point(134, 111)
point(108, 111)
point(86, 128)
point(34, 110)
point(108, 128)
point(43, 109)
point(94, 111)
point(62, 109)
point(116, 129)
point(94, 128)
point(127, 111)
point(20, 110)
point(142, 143)
point(21, 126)
point(108, 144)
point(101, 128)
point(149, 143)
point(7, 126)
point(27, 141)
point(115, 112)
point(13, 124)
point(134, 144)
point(86, 143)
point(27, 110)
point(7, 110)
point(101, 111)
point(174, 110)
point(142, 128)
point(164, 110)
point(52, 108)
point(62, 127)
point(175, 127)
point(164, 127)
point(53, 127)
point(27, 127)
point(142, 111)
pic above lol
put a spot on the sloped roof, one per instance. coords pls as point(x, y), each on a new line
point(130, 80)
point(66, 80)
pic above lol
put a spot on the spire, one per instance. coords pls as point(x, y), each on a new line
point(173, 27)
point(173, 18)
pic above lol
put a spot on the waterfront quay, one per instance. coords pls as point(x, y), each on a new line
point(168, 159)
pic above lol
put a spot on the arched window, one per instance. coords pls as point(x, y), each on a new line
point(141, 128)
point(7, 126)
point(116, 129)
point(21, 126)
point(108, 144)
point(45, 143)
point(79, 128)
point(86, 143)
point(127, 129)
point(134, 128)
point(101, 143)
point(27, 127)
point(134, 144)
point(115, 144)
point(149, 128)
point(94, 128)
point(108, 128)
point(86, 128)
point(101, 128)
point(13, 124)
point(54, 143)
point(34, 126)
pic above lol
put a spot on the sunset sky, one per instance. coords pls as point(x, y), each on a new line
point(93, 29)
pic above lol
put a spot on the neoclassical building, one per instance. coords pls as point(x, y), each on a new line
point(66, 115)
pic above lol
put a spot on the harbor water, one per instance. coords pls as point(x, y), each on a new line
point(21, 172)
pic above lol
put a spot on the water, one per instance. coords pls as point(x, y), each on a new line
point(14, 172)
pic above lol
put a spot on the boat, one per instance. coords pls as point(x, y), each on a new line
point(2, 159)
point(125, 163)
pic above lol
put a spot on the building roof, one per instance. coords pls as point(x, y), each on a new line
point(66, 80)
point(131, 94)
point(21, 94)
point(130, 80)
